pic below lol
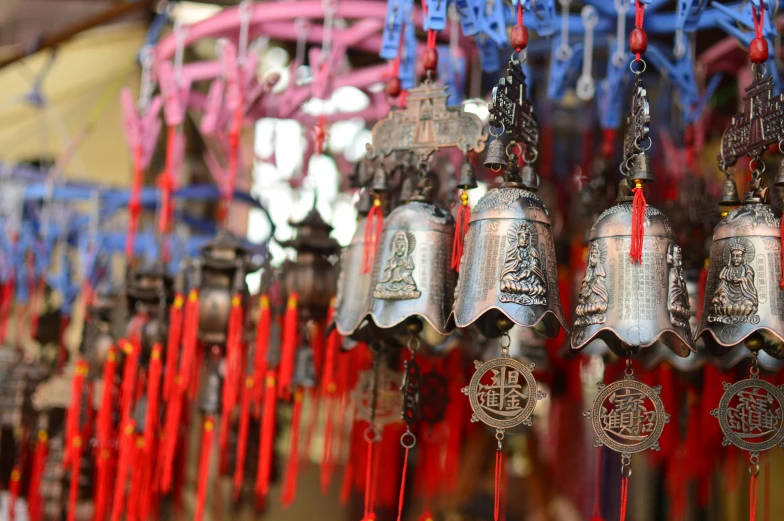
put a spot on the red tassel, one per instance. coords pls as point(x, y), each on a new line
point(266, 437)
point(103, 487)
point(72, 434)
point(173, 344)
point(499, 465)
point(288, 347)
point(402, 486)
point(34, 500)
point(104, 424)
point(461, 229)
point(204, 467)
point(128, 385)
point(13, 493)
point(263, 325)
point(153, 395)
point(242, 437)
point(290, 483)
point(624, 496)
point(123, 469)
point(136, 489)
point(374, 224)
point(231, 382)
point(170, 435)
point(638, 224)
point(189, 338)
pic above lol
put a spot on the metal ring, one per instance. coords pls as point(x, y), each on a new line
point(533, 157)
point(496, 168)
point(413, 343)
point(503, 129)
point(644, 66)
point(754, 469)
point(780, 150)
point(638, 147)
point(408, 435)
point(626, 471)
point(372, 435)
point(514, 144)
point(499, 434)
point(759, 69)
point(519, 57)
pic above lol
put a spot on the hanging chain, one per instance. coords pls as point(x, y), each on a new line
point(505, 341)
point(628, 373)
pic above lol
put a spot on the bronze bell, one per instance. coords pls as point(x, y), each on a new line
point(467, 179)
point(730, 198)
point(743, 301)
point(530, 178)
point(496, 155)
point(380, 182)
point(633, 306)
point(411, 276)
point(223, 264)
point(352, 303)
point(312, 275)
point(508, 267)
point(640, 169)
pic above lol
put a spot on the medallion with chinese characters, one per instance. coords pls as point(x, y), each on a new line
point(503, 393)
point(751, 415)
point(628, 416)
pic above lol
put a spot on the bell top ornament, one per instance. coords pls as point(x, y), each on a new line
point(411, 276)
point(627, 305)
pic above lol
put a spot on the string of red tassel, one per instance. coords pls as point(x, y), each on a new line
point(638, 224)
point(263, 326)
point(292, 468)
point(204, 467)
point(374, 225)
point(34, 498)
point(288, 348)
point(266, 436)
point(173, 344)
point(624, 496)
point(461, 229)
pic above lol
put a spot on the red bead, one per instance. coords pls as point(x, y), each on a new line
point(430, 59)
point(638, 41)
point(394, 87)
point(758, 50)
point(519, 37)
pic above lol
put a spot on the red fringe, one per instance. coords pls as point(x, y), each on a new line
point(266, 437)
point(242, 437)
point(374, 225)
point(204, 467)
point(290, 483)
point(34, 500)
point(127, 443)
point(288, 347)
point(13, 493)
point(638, 225)
point(189, 338)
point(173, 345)
point(263, 326)
point(461, 229)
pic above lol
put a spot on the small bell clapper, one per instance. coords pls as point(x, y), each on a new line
point(586, 87)
point(564, 51)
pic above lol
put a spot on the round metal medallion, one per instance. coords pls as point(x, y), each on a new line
point(751, 415)
point(503, 393)
point(628, 416)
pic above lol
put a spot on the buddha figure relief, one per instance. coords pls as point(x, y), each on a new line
point(735, 295)
point(678, 296)
point(522, 278)
point(592, 300)
point(398, 280)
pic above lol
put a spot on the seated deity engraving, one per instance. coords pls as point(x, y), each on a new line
point(522, 278)
point(678, 297)
point(735, 297)
point(592, 300)
point(398, 281)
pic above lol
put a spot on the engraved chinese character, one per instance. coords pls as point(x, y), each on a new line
point(754, 415)
point(504, 396)
point(629, 419)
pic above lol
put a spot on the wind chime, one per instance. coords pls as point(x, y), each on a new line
point(744, 291)
point(508, 272)
point(633, 294)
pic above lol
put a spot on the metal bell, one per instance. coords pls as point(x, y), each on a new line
point(467, 179)
point(508, 271)
point(743, 301)
point(530, 178)
point(641, 168)
point(352, 303)
point(380, 183)
point(633, 306)
point(779, 179)
point(730, 198)
point(496, 155)
point(411, 276)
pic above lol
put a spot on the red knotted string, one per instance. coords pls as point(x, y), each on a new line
point(639, 15)
point(288, 346)
point(263, 325)
point(499, 463)
point(292, 468)
point(624, 494)
point(402, 486)
point(173, 344)
point(34, 499)
point(242, 437)
point(461, 229)
point(374, 224)
point(123, 469)
point(638, 224)
point(267, 436)
point(204, 467)
point(13, 493)
point(759, 18)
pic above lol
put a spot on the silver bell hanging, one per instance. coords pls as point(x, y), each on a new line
point(411, 276)
point(496, 155)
